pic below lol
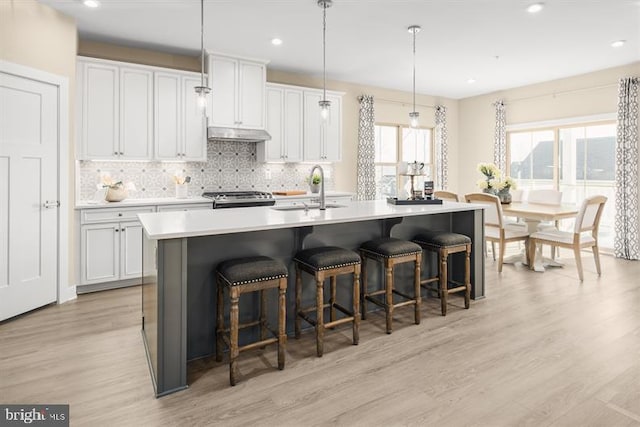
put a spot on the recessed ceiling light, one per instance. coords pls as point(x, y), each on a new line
point(276, 41)
point(91, 3)
point(618, 43)
point(471, 81)
point(535, 7)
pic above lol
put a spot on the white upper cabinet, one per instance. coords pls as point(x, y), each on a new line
point(98, 85)
point(284, 124)
point(137, 112)
point(322, 139)
point(238, 92)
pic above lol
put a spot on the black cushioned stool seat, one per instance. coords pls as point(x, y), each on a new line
point(322, 263)
point(445, 243)
point(390, 252)
point(244, 275)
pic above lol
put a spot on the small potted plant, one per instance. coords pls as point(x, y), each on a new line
point(314, 185)
point(116, 191)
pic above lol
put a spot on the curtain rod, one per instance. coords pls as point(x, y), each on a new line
point(393, 101)
point(564, 92)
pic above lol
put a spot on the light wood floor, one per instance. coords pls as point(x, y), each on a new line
point(541, 349)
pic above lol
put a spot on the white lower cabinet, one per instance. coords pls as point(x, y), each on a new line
point(111, 243)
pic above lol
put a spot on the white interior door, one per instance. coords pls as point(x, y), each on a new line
point(28, 194)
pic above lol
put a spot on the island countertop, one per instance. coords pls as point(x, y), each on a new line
point(174, 225)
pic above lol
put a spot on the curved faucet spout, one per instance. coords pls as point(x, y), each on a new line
point(322, 205)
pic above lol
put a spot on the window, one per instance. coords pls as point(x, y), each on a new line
point(393, 144)
point(578, 160)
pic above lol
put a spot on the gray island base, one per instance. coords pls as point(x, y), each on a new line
point(182, 249)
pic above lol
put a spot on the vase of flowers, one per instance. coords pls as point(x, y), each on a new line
point(504, 189)
point(491, 181)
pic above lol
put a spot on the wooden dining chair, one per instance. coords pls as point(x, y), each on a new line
point(446, 195)
point(588, 220)
point(494, 228)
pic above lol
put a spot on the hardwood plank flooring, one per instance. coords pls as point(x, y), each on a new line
point(542, 349)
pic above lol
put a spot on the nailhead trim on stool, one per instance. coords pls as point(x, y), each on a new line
point(445, 243)
point(244, 275)
point(390, 252)
point(322, 263)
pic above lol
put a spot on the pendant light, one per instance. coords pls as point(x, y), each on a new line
point(413, 116)
point(202, 90)
point(324, 103)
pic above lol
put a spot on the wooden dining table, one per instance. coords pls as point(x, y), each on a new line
point(533, 214)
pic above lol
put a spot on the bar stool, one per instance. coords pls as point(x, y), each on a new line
point(391, 252)
point(322, 263)
point(444, 244)
point(241, 276)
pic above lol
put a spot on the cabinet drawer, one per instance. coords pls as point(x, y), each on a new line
point(92, 216)
point(185, 207)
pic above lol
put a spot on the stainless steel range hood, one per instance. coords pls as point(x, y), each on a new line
point(234, 134)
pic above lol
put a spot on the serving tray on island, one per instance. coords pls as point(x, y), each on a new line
point(396, 201)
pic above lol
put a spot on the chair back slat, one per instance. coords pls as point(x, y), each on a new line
point(545, 197)
point(446, 195)
point(493, 212)
point(588, 218)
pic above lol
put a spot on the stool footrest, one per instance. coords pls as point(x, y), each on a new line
point(257, 344)
point(313, 309)
point(338, 322)
point(369, 297)
point(309, 320)
point(456, 289)
point(342, 309)
point(404, 303)
point(427, 281)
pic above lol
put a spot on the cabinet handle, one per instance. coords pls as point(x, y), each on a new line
point(115, 153)
point(122, 153)
point(120, 214)
point(117, 229)
point(122, 229)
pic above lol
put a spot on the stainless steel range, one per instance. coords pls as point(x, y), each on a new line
point(239, 199)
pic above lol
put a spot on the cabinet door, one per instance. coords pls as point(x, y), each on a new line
point(194, 122)
point(272, 150)
point(130, 250)
point(333, 131)
point(313, 150)
point(293, 123)
point(251, 95)
point(136, 114)
point(100, 257)
point(224, 87)
point(99, 111)
point(167, 116)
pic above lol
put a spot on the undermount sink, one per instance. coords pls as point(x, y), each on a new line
point(308, 207)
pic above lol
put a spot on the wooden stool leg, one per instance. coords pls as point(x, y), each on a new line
point(364, 287)
point(467, 277)
point(282, 320)
point(263, 316)
point(388, 287)
point(297, 320)
point(356, 305)
point(443, 280)
point(319, 317)
point(219, 321)
point(416, 288)
point(233, 339)
point(332, 302)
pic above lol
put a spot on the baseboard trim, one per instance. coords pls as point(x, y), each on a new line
point(97, 287)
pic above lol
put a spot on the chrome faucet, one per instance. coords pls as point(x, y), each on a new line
point(322, 206)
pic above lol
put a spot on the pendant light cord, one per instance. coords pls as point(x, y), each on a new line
point(414, 70)
point(324, 51)
point(202, 43)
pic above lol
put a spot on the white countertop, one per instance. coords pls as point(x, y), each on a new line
point(172, 225)
point(90, 204)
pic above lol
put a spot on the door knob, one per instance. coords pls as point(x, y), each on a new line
point(51, 204)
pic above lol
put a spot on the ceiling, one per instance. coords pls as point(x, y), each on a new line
point(495, 42)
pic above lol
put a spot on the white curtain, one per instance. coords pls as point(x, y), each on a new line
point(500, 140)
point(440, 138)
point(627, 238)
point(366, 150)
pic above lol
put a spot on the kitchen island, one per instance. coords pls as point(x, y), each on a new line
point(182, 249)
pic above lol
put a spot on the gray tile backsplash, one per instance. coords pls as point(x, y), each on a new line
point(230, 166)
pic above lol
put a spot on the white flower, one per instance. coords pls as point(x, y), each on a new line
point(483, 184)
